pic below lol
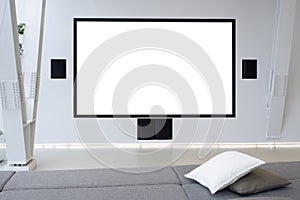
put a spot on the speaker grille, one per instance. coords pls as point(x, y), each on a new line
point(58, 69)
point(249, 69)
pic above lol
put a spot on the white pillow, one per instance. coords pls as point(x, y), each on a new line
point(223, 170)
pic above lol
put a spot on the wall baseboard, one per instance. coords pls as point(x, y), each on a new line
point(71, 146)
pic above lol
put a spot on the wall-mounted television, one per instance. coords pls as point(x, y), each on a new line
point(154, 67)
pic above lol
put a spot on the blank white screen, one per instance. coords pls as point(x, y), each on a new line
point(155, 98)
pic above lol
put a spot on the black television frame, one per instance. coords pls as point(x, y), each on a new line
point(225, 20)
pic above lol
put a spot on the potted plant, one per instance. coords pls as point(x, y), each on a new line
point(21, 30)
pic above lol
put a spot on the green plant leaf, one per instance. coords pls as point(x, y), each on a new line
point(21, 30)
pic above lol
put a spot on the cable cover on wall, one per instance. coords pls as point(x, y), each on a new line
point(10, 95)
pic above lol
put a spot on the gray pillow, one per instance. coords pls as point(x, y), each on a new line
point(264, 198)
point(259, 180)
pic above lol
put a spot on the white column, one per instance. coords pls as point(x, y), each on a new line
point(19, 133)
point(282, 46)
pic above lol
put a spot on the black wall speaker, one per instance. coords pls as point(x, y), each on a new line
point(249, 69)
point(154, 129)
point(58, 68)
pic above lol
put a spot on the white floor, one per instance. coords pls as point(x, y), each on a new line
point(57, 159)
point(60, 158)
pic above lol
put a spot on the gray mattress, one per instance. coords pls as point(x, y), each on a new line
point(102, 184)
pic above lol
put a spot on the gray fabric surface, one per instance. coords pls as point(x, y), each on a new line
point(263, 198)
point(259, 180)
point(198, 192)
point(102, 184)
point(288, 170)
point(182, 170)
point(4, 177)
point(88, 178)
point(148, 192)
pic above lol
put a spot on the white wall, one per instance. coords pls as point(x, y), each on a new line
point(255, 26)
